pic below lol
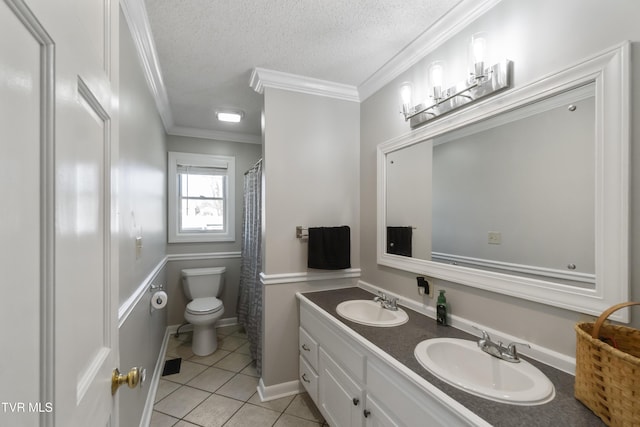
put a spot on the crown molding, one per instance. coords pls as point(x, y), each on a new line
point(217, 135)
point(449, 25)
point(136, 16)
point(261, 78)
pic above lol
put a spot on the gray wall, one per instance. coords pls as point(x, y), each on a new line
point(573, 30)
point(311, 173)
point(142, 172)
point(246, 156)
point(142, 201)
point(310, 179)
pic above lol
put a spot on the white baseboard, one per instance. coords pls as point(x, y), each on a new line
point(230, 321)
point(145, 420)
point(277, 391)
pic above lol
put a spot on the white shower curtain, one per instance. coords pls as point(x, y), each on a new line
point(250, 292)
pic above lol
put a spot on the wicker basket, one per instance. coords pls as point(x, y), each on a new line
point(608, 369)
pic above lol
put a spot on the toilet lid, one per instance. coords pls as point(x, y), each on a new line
point(204, 305)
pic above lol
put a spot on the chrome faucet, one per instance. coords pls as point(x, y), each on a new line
point(508, 353)
point(385, 302)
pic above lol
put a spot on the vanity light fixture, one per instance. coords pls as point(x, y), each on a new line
point(478, 55)
point(483, 82)
point(405, 93)
point(230, 116)
point(436, 75)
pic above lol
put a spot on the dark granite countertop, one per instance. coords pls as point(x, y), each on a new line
point(399, 342)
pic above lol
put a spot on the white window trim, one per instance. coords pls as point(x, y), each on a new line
point(203, 160)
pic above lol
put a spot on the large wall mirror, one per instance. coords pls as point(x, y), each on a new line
point(525, 194)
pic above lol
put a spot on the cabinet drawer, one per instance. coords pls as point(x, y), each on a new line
point(308, 348)
point(309, 379)
point(333, 342)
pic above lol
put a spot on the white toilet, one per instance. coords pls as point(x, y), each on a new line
point(202, 286)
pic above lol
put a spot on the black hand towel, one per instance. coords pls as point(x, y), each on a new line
point(399, 240)
point(329, 248)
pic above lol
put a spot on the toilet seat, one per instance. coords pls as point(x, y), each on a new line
point(201, 306)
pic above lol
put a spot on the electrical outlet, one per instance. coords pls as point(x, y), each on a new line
point(424, 287)
point(495, 238)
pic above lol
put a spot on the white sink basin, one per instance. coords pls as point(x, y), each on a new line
point(463, 365)
point(371, 313)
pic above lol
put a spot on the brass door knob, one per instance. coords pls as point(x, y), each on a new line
point(131, 379)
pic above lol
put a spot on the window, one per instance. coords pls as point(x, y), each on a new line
point(201, 198)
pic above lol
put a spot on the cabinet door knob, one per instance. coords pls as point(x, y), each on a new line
point(366, 413)
point(356, 401)
point(305, 348)
point(304, 378)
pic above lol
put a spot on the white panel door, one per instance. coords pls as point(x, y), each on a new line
point(58, 137)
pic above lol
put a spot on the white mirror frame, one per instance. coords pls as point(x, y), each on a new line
point(610, 71)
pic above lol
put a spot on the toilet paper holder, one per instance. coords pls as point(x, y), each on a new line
point(157, 292)
point(153, 288)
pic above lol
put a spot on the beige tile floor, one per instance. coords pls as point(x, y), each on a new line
point(220, 390)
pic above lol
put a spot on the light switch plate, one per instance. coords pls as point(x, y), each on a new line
point(138, 247)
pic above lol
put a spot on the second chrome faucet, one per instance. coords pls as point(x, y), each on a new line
point(386, 302)
point(508, 353)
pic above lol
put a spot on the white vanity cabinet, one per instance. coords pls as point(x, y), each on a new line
point(339, 370)
point(340, 397)
point(354, 384)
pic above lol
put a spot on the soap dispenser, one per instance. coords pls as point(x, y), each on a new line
point(441, 309)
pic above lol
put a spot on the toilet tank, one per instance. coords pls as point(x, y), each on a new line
point(203, 282)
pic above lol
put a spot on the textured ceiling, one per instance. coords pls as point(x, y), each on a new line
point(208, 48)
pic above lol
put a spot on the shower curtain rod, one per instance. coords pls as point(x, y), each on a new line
point(254, 166)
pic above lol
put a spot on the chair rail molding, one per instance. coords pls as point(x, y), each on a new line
point(127, 307)
point(204, 255)
point(276, 279)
